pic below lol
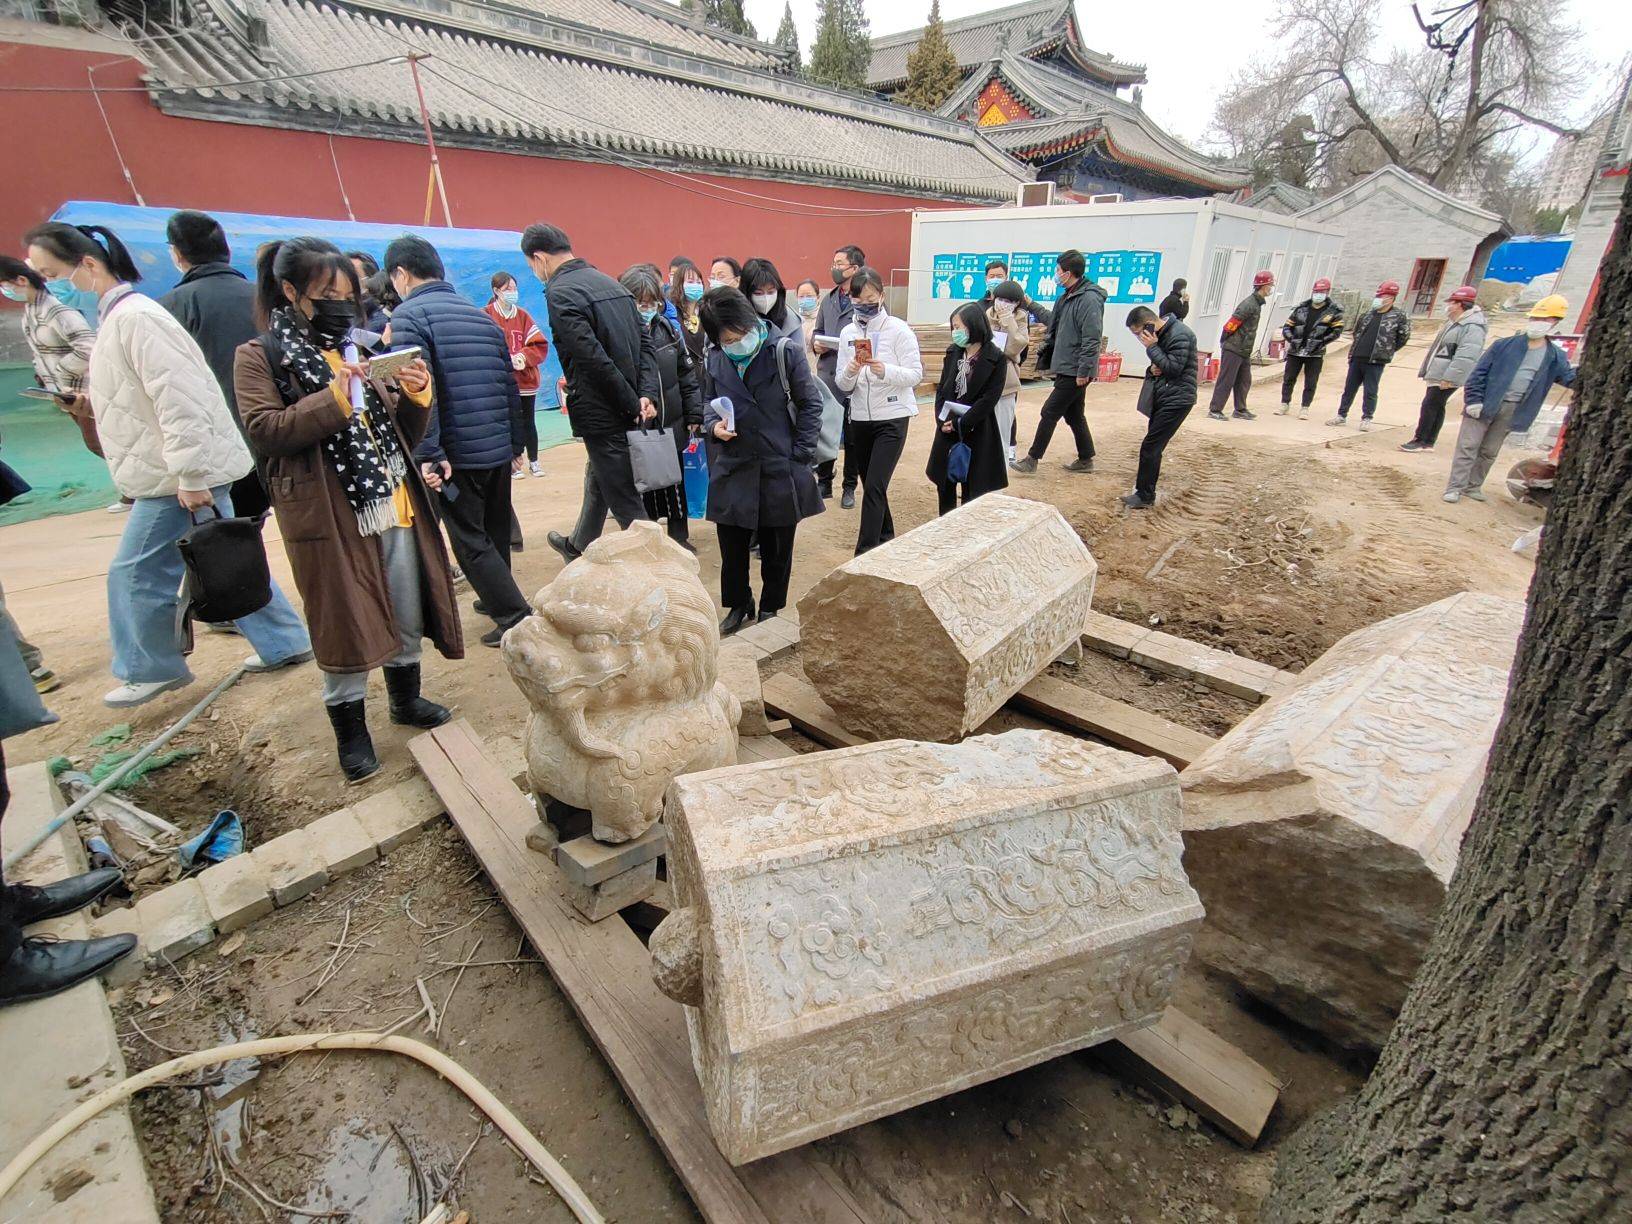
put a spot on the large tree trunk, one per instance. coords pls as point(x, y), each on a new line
point(1505, 1090)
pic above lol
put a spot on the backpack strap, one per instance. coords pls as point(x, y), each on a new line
point(781, 350)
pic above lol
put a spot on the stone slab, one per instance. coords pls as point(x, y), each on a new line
point(398, 814)
point(176, 921)
point(739, 672)
point(862, 930)
point(237, 892)
point(1322, 830)
point(583, 860)
point(927, 636)
point(294, 866)
point(342, 842)
point(598, 901)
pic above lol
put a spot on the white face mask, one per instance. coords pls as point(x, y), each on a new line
point(716, 282)
point(763, 302)
point(1319, 299)
point(1536, 328)
point(1377, 303)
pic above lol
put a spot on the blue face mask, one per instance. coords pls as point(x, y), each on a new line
point(693, 291)
point(647, 313)
point(807, 305)
point(742, 350)
point(866, 310)
point(82, 300)
point(509, 296)
point(960, 337)
point(14, 295)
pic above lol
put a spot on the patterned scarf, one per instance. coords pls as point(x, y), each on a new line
point(368, 461)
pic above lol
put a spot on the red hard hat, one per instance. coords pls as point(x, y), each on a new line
point(1260, 279)
point(1389, 289)
point(1323, 286)
point(1467, 293)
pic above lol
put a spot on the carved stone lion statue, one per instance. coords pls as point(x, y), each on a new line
point(619, 663)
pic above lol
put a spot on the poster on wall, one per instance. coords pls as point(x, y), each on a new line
point(1126, 276)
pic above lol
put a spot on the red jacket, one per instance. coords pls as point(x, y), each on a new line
point(523, 336)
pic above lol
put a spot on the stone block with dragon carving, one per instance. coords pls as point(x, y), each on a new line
point(927, 636)
point(860, 931)
point(620, 665)
point(1322, 830)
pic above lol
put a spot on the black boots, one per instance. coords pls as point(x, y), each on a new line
point(357, 759)
point(736, 619)
point(408, 708)
point(36, 904)
point(41, 967)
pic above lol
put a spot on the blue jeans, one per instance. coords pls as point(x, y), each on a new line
point(143, 583)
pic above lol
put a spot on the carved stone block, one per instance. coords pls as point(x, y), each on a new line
point(1321, 832)
point(927, 636)
point(860, 931)
point(619, 663)
point(739, 672)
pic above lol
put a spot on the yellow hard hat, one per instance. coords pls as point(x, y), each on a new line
point(1553, 306)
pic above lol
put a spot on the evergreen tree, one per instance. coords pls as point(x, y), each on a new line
point(724, 15)
point(842, 49)
point(932, 69)
point(787, 37)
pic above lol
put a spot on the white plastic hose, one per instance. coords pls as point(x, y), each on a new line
point(277, 1047)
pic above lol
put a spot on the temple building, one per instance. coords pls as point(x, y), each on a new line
point(1038, 94)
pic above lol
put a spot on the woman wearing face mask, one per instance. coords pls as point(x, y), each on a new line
point(762, 284)
point(807, 302)
point(528, 348)
point(879, 382)
point(354, 513)
point(759, 470)
point(58, 337)
point(1011, 331)
point(171, 445)
point(1504, 393)
point(1449, 361)
point(686, 289)
point(973, 376)
point(724, 273)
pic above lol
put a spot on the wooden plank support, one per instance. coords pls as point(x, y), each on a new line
point(1180, 1059)
point(604, 971)
point(791, 697)
point(1077, 709)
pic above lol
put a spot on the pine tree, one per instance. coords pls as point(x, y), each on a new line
point(787, 37)
point(932, 69)
point(842, 49)
point(724, 15)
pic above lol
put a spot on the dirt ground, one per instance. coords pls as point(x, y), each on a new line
point(1272, 538)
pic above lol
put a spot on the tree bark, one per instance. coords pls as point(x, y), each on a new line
point(1505, 1089)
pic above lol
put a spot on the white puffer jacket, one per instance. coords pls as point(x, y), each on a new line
point(888, 396)
point(160, 414)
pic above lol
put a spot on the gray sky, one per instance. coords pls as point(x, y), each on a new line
point(1192, 48)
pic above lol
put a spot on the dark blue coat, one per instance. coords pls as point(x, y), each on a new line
point(762, 477)
point(1487, 385)
point(477, 420)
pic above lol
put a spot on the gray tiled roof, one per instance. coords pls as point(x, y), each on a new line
point(577, 96)
point(976, 39)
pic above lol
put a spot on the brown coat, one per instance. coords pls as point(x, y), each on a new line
point(337, 571)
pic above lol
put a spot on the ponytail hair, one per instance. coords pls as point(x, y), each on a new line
point(303, 263)
point(72, 243)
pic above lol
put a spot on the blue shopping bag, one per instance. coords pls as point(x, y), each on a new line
point(694, 471)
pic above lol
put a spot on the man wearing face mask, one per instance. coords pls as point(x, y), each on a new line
point(474, 442)
point(610, 367)
point(1378, 334)
point(1313, 324)
point(216, 304)
point(832, 317)
point(1504, 394)
point(1237, 346)
point(1070, 354)
point(996, 273)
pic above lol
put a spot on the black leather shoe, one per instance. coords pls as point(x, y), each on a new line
point(825, 489)
point(41, 967)
point(562, 545)
point(736, 619)
point(408, 708)
point(33, 904)
point(848, 500)
point(479, 608)
point(357, 759)
point(1134, 502)
point(765, 616)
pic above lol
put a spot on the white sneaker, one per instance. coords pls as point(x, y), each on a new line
point(119, 507)
point(1283, 410)
point(1365, 425)
point(1453, 496)
point(257, 664)
point(1474, 494)
point(1303, 414)
point(1338, 421)
point(139, 694)
point(518, 474)
point(535, 468)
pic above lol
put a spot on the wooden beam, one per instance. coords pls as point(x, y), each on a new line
point(1181, 1059)
point(1077, 709)
point(790, 697)
point(606, 974)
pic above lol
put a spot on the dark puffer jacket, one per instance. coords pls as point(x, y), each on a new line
point(1310, 328)
point(1174, 355)
point(680, 403)
point(217, 307)
point(605, 350)
point(477, 420)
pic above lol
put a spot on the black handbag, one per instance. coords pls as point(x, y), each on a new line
point(226, 575)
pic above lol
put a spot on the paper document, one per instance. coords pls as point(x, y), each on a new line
point(952, 408)
point(726, 411)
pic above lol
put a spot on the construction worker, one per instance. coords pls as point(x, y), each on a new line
point(1240, 333)
point(1313, 324)
point(1378, 334)
point(1449, 361)
point(1504, 394)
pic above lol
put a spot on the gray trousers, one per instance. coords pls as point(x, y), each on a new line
point(30, 652)
point(400, 555)
point(1477, 445)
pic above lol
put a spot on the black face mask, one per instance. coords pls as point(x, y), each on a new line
point(331, 321)
point(839, 275)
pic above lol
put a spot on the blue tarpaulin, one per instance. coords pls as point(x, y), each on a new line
point(1521, 260)
point(471, 256)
